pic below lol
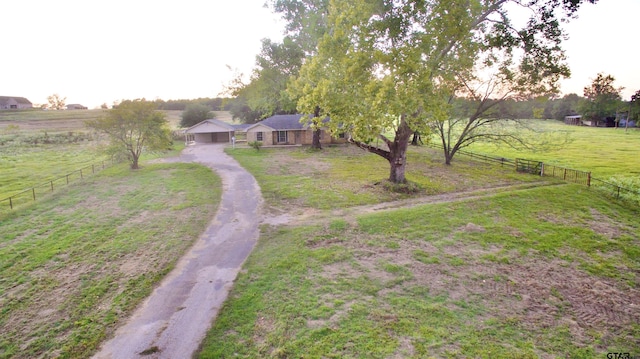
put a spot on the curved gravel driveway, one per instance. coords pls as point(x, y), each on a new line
point(172, 322)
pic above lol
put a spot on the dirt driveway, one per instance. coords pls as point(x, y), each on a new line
point(172, 322)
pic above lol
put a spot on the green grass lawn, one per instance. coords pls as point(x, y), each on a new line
point(295, 178)
point(549, 272)
point(552, 271)
point(74, 265)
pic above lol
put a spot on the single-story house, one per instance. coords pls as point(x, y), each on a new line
point(211, 131)
point(287, 130)
point(76, 106)
point(10, 102)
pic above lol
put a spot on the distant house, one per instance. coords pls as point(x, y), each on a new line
point(211, 131)
point(287, 130)
point(75, 106)
point(10, 102)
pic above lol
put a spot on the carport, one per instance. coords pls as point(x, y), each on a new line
point(210, 131)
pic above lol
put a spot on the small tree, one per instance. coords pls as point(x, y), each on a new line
point(133, 127)
point(194, 114)
point(56, 102)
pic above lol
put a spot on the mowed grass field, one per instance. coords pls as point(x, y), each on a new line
point(518, 266)
point(533, 272)
point(605, 152)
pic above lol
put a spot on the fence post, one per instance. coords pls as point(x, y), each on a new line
point(33, 190)
point(588, 179)
point(541, 169)
point(51, 186)
point(10, 203)
point(564, 177)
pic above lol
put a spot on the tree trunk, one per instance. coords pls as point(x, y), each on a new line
point(315, 143)
point(134, 161)
point(447, 158)
point(417, 140)
point(398, 153)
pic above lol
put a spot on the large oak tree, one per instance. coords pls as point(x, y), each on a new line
point(387, 68)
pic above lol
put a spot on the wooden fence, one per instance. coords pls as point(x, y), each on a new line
point(479, 156)
point(35, 192)
point(567, 174)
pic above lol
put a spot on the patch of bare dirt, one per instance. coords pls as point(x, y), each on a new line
point(282, 163)
point(606, 226)
point(538, 291)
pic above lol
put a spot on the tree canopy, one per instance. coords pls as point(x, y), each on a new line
point(390, 66)
point(134, 126)
point(194, 114)
point(265, 93)
point(602, 99)
point(56, 102)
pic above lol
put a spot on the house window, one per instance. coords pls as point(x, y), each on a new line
point(259, 136)
point(341, 135)
point(282, 136)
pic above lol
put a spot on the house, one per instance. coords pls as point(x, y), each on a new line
point(76, 106)
point(9, 102)
point(212, 131)
point(287, 130)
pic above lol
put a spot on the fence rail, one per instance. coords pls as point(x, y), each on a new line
point(479, 156)
point(567, 174)
point(33, 193)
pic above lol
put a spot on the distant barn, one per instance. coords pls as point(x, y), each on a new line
point(11, 103)
point(573, 120)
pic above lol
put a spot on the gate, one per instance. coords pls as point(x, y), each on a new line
point(528, 166)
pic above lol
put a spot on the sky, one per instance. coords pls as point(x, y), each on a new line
point(101, 51)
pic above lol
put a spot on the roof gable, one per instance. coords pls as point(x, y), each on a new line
point(284, 122)
point(21, 100)
point(211, 125)
point(260, 127)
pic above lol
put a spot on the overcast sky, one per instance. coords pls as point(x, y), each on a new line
point(100, 51)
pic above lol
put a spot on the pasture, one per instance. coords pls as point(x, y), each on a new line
point(606, 152)
point(37, 146)
point(480, 261)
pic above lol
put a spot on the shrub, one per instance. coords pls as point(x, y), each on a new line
point(255, 144)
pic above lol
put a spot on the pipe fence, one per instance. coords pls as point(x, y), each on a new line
point(550, 170)
point(33, 193)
